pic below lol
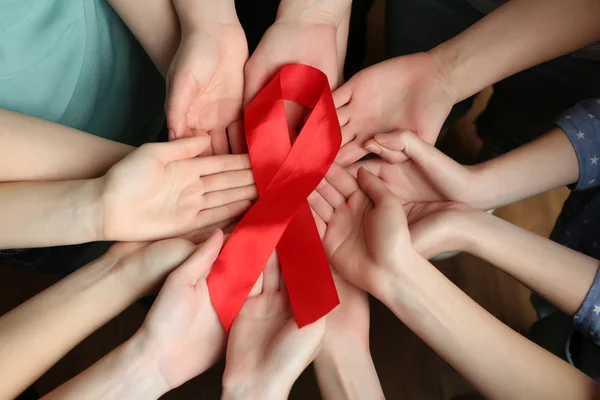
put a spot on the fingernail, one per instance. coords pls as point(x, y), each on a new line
point(373, 149)
point(365, 168)
point(383, 137)
point(215, 232)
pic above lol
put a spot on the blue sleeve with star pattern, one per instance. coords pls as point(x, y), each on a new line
point(587, 318)
point(581, 123)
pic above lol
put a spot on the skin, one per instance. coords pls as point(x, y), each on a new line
point(368, 242)
point(416, 92)
point(161, 190)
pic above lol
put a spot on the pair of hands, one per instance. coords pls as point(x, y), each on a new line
point(211, 80)
point(182, 335)
point(378, 223)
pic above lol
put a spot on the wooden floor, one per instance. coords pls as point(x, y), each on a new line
point(407, 368)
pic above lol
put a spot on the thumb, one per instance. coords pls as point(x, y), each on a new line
point(181, 149)
point(443, 172)
point(255, 77)
point(180, 95)
point(392, 147)
point(373, 187)
point(199, 263)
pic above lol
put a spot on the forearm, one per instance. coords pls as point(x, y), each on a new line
point(34, 149)
point(155, 25)
point(38, 214)
point(499, 362)
point(347, 372)
point(516, 36)
point(563, 276)
point(128, 372)
point(546, 163)
point(318, 11)
point(42, 330)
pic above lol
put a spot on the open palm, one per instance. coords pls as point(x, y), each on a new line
point(205, 84)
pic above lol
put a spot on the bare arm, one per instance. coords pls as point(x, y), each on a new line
point(39, 332)
point(516, 36)
point(499, 362)
point(155, 25)
point(34, 149)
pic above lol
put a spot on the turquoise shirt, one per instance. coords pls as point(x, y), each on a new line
point(74, 62)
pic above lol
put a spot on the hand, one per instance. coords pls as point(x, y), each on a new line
point(205, 82)
point(436, 228)
point(428, 175)
point(291, 41)
point(345, 353)
point(163, 190)
point(430, 219)
point(367, 236)
point(266, 352)
point(409, 92)
point(182, 331)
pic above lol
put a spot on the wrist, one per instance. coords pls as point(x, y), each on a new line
point(475, 228)
point(86, 204)
point(314, 11)
point(141, 373)
point(446, 61)
point(347, 371)
point(262, 389)
point(200, 15)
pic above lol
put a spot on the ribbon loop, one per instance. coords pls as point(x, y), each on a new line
point(285, 175)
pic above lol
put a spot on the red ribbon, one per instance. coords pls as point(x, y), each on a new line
point(285, 175)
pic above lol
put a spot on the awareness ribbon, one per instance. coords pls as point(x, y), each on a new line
point(281, 218)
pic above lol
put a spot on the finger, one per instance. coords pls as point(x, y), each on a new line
point(258, 286)
point(199, 236)
point(223, 213)
point(181, 149)
point(343, 115)
point(372, 165)
point(330, 194)
point(343, 94)
point(390, 156)
point(254, 80)
point(203, 166)
point(438, 167)
point(179, 98)
point(228, 196)
point(350, 153)
point(272, 274)
point(208, 151)
point(237, 140)
point(227, 180)
point(321, 225)
point(348, 134)
point(320, 206)
point(220, 145)
point(373, 187)
point(199, 263)
point(341, 180)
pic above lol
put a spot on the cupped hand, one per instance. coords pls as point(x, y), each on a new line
point(428, 174)
point(266, 352)
point(409, 92)
point(164, 190)
point(182, 331)
point(367, 236)
point(205, 83)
